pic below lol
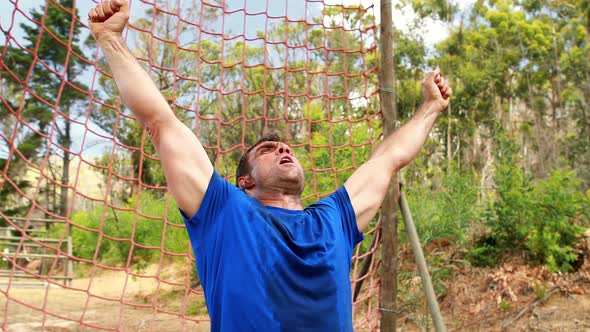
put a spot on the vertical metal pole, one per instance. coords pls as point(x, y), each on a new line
point(439, 325)
point(389, 244)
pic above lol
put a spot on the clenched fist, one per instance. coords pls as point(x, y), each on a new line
point(108, 18)
point(436, 90)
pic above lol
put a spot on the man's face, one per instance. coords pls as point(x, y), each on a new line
point(273, 164)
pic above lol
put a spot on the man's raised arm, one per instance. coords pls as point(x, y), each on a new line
point(368, 185)
point(186, 165)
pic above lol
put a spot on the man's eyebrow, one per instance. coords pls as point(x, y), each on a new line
point(266, 144)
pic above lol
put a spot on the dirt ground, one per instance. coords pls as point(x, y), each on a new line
point(512, 297)
point(112, 301)
point(518, 298)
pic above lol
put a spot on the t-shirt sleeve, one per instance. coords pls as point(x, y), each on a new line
point(342, 203)
point(217, 195)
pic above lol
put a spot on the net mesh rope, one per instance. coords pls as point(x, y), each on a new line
point(72, 153)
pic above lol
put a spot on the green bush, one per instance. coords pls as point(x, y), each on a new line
point(543, 219)
point(448, 212)
point(112, 236)
point(484, 254)
point(557, 221)
point(513, 199)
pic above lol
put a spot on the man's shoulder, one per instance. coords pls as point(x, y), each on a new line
point(219, 195)
point(218, 184)
point(332, 199)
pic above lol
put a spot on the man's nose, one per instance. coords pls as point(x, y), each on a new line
point(284, 148)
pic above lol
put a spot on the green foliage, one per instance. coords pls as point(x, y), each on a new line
point(447, 212)
point(559, 214)
point(484, 253)
point(198, 307)
point(505, 306)
point(540, 290)
point(114, 236)
point(11, 203)
point(444, 209)
point(543, 219)
point(513, 205)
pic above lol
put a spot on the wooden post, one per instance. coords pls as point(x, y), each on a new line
point(40, 241)
point(389, 244)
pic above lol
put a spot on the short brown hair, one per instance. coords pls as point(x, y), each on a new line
point(243, 165)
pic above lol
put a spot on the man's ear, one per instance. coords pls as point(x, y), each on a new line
point(245, 182)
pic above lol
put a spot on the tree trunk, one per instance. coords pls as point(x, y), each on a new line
point(65, 175)
point(449, 139)
point(556, 107)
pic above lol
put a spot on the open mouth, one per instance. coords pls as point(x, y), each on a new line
point(285, 160)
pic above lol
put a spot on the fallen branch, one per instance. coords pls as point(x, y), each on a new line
point(529, 307)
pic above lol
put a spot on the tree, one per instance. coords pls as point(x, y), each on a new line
point(50, 64)
point(570, 21)
point(510, 72)
point(13, 145)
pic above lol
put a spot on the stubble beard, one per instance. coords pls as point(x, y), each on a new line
point(290, 180)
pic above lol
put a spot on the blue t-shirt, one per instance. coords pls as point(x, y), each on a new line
point(271, 269)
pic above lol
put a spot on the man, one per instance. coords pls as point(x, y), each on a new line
point(265, 262)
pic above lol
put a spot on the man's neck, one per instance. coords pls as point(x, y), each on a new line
point(278, 199)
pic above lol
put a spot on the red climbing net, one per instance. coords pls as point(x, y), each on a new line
point(89, 234)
